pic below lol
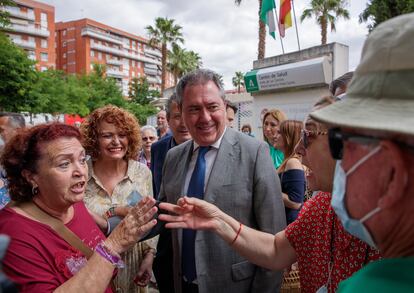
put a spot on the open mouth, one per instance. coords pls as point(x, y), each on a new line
point(78, 187)
point(115, 150)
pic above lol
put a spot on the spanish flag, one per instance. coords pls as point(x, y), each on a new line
point(285, 17)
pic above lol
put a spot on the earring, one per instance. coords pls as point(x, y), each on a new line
point(35, 190)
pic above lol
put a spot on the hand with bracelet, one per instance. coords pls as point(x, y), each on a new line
point(264, 249)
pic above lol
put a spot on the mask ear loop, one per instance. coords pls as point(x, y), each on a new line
point(364, 159)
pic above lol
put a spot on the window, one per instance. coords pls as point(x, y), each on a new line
point(64, 44)
point(64, 33)
point(43, 57)
point(43, 43)
point(64, 55)
point(92, 53)
point(43, 68)
point(99, 55)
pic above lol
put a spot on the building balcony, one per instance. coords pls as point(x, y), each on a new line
point(114, 62)
point(16, 13)
point(114, 73)
point(28, 45)
point(30, 30)
point(123, 53)
point(152, 79)
point(90, 32)
point(150, 66)
point(152, 51)
point(151, 71)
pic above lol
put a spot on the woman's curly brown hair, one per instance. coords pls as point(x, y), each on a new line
point(122, 119)
point(23, 152)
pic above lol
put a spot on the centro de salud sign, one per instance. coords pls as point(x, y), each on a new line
point(303, 73)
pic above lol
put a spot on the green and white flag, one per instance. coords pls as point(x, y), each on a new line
point(267, 16)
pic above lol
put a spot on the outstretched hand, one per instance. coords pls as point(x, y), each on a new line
point(191, 213)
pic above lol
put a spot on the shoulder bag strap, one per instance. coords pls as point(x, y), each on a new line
point(70, 237)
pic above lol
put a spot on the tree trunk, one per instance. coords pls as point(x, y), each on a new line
point(262, 37)
point(324, 27)
point(163, 66)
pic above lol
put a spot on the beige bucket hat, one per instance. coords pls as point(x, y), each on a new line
point(381, 93)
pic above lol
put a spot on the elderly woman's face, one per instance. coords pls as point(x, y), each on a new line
point(113, 142)
point(148, 138)
point(61, 173)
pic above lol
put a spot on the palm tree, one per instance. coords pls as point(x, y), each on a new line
point(261, 47)
point(326, 11)
point(164, 33)
point(238, 80)
point(181, 61)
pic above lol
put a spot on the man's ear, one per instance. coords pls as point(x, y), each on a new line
point(397, 175)
point(29, 176)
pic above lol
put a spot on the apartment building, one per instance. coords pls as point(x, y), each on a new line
point(85, 42)
point(33, 29)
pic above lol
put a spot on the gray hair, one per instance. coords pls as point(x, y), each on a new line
point(150, 128)
point(16, 120)
point(172, 99)
point(197, 77)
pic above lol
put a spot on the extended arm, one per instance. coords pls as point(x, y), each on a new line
point(264, 249)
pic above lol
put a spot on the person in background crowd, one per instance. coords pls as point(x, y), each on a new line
point(247, 129)
point(148, 136)
point(271, 123)
point(10, 123)
point(371, 135)
point(231, 111)
point(163, 263)
point(291, 173)
point(230, 169)
point(162, 124)
point(47, 172)
point(117, 182)
point(338, 86)
point(325, 253)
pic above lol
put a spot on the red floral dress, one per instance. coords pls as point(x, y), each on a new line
point(324, 248)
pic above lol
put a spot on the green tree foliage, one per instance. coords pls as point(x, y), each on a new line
point(102, 90)
point(238, 80)
point(164, 33)
point(4, 15)
point(139, 98)
point(326, 12)
point(181, 61)
point(261, 45)
point(378, 11)
point(17, 76)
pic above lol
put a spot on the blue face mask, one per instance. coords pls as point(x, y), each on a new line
point(353, 226)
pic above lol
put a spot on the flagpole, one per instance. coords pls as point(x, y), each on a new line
point(278, 28)
point(296, 24)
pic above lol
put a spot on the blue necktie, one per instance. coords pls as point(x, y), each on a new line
point(195, 189)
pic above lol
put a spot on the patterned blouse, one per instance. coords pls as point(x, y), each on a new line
point(136, 184)
point(324, 248)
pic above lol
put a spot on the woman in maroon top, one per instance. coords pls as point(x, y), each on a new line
point(47, 172)
point(325, 253)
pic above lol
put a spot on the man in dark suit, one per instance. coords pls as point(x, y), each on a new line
point(163, 264)
point(231, 170)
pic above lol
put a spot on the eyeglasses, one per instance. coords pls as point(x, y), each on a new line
point(337, 137)
point(307, 134)
point(149, 138)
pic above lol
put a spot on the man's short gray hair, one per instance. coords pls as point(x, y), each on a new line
point(172, 99)
point(16, 120)
point(150, 128)
point(197, 77)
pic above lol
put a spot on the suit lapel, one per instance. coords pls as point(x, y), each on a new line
point(222, 171)
point(180, 170)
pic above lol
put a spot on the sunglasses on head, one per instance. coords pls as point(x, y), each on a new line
point(307, 134)
point(336, 141)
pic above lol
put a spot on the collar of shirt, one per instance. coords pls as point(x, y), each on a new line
point(91, 174)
